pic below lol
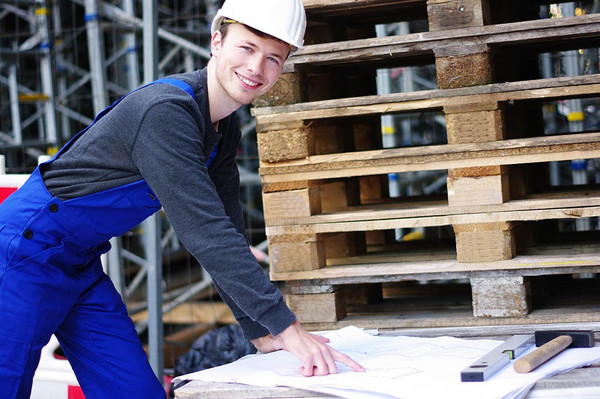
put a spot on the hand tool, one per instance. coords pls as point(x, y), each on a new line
point(497, 358)
point(551, 343)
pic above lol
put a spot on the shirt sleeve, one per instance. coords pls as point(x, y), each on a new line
point(224, 173)
point(169, 153)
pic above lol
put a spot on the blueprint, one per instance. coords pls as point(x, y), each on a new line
point(396, 367)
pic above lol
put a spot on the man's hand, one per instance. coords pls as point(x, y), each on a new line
point(312, 350)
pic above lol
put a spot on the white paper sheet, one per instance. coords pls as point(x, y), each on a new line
point(397, 367)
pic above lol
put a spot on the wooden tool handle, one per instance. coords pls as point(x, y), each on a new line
point(535, 358)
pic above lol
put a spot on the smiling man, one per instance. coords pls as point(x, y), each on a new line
point(169, 144)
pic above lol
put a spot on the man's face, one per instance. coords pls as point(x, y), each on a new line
point(247, 65)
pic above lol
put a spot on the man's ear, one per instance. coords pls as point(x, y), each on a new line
point(215, 42)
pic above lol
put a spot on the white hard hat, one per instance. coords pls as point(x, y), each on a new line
point(283, 19)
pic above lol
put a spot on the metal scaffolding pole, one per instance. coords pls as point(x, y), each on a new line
point(152, 229)
point(96, 56)
point(65, 123)
point(41, 13)
point(15, 111)
point(133, 74)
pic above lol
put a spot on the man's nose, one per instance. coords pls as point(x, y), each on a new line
point(256, 64)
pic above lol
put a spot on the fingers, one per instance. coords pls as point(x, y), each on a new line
point(325, 363)
point(317, 357)
point(347, 360)
point(318, 369)
point(321, 338)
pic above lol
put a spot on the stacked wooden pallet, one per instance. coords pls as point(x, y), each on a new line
point(328, 212)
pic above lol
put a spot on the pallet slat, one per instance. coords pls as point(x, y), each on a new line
point(540, 89)
point(417, 45)
point(435, 157)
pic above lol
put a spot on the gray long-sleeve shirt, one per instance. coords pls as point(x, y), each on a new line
point(163, 136)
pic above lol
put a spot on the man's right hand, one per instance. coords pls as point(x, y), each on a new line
point(312, 350)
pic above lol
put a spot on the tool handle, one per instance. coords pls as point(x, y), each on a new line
point(538, 356)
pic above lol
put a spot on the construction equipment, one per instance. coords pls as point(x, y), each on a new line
point(498, 358)
point(551, 343)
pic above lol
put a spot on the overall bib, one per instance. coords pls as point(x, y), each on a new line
point(52, 282)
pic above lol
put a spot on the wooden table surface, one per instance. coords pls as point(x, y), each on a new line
point(582, 383)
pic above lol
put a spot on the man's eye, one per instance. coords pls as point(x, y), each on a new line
point(275, 60)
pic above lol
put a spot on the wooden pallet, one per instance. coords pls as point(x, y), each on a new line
point(328, 213)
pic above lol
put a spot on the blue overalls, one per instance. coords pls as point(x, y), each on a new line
point(52, 282)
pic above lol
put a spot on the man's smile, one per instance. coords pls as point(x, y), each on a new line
point(246, 81)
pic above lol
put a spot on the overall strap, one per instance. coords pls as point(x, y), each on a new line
point(173, 82)
point(186, 87)
point(177, 83)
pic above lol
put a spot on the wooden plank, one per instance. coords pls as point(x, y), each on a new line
point(478, 190)
point(194, 312)
point(443, 220)
point(363, 12)
point(289, 89)
point(424, 43)
point(296, 252)
point(304, 202)
point(334, 7)
point(549, 206)
point(455, 69)
point(436, 157)
point(283, 145)
point(459, 319)
point(445, 14)
point(502, 332)
point(222, 390)
point(485, 242)
point(538, 89)
point(474, 126)
point(443, 265)
point(414, 207)
point(318, 308)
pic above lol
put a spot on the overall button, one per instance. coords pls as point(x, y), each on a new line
point(28, 234)
point(53, 208)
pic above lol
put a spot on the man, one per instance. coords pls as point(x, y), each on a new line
point(169, 144)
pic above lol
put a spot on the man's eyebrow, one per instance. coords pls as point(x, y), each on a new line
point(250, 43)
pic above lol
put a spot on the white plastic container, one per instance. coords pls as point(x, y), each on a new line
point(54, 377)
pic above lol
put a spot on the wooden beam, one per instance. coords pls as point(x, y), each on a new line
point(485, 242)
point(441, 220)
point(537, 89)
point(334, 7)
point(444, 14)
point(417, 208)
point(318, 308)
point(399, 266)
point(424, 43)
point(194, 312)
point(436, 157)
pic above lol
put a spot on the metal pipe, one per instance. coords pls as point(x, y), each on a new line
point(152, 229)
